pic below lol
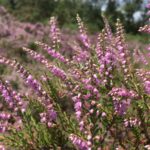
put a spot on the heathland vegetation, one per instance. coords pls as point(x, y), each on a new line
point(71, 90)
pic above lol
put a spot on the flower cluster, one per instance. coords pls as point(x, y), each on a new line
point(45, 100)
point(79, 143)
point(81, 56)
point(83, 35)
point(131, 122)
point(52, 68)
point(123, 53)
point(15, 104)
point(52, 52)
point(77, 106)
point(12, 98)
point(145, 29)
point(144, 76)
point(105, 55)
point(54, 32)
point(122, 99)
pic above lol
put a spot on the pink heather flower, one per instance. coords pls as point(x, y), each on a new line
point(83, 35)
point(103, 114)
point(81, 124)
point(54, 32)
point(106, 60)
point(147, 86)
point(44, 78)
point(81, 56)
point(52, 115)
point(131, 122)
point(56, 55)
point(85, 40)
point(99, 50)
point(145, 78)
point(87, 96)
point(146, 28)
point(48, 117)
point(53, 53)
point(32, 83)
point(121, 98)
point(2, 147)
point(78, 114)
point(122, 50)
point(12, 98)
point(96, 80)
point(52, 68)
point(79, 143)
point(77, 106)
point(4, 116)
point(58, 72)
point(92, 89)
point(15, 104)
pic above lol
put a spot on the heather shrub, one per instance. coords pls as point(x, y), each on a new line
point(96, 99)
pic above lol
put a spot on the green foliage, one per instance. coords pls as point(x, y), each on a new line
point(35, 135)
point(14, 85)
point(2, 69)
point(32, 46)
point(139, 38)
point(21, 55)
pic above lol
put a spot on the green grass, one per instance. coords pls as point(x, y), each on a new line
point(141, 38)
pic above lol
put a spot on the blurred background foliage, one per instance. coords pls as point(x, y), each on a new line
point(131, 12)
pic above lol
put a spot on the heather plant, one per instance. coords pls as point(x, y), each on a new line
point(107, 95)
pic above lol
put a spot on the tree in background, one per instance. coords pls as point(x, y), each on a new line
point(66, 11)
point(12, 3)
point(112, 12)
point(130, 8)
point(89, 10)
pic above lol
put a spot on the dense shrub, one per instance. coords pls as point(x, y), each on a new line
point(107, 96)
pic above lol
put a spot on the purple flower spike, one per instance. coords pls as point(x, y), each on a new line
point(80, 143)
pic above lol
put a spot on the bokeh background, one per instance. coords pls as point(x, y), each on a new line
point(131, 12)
